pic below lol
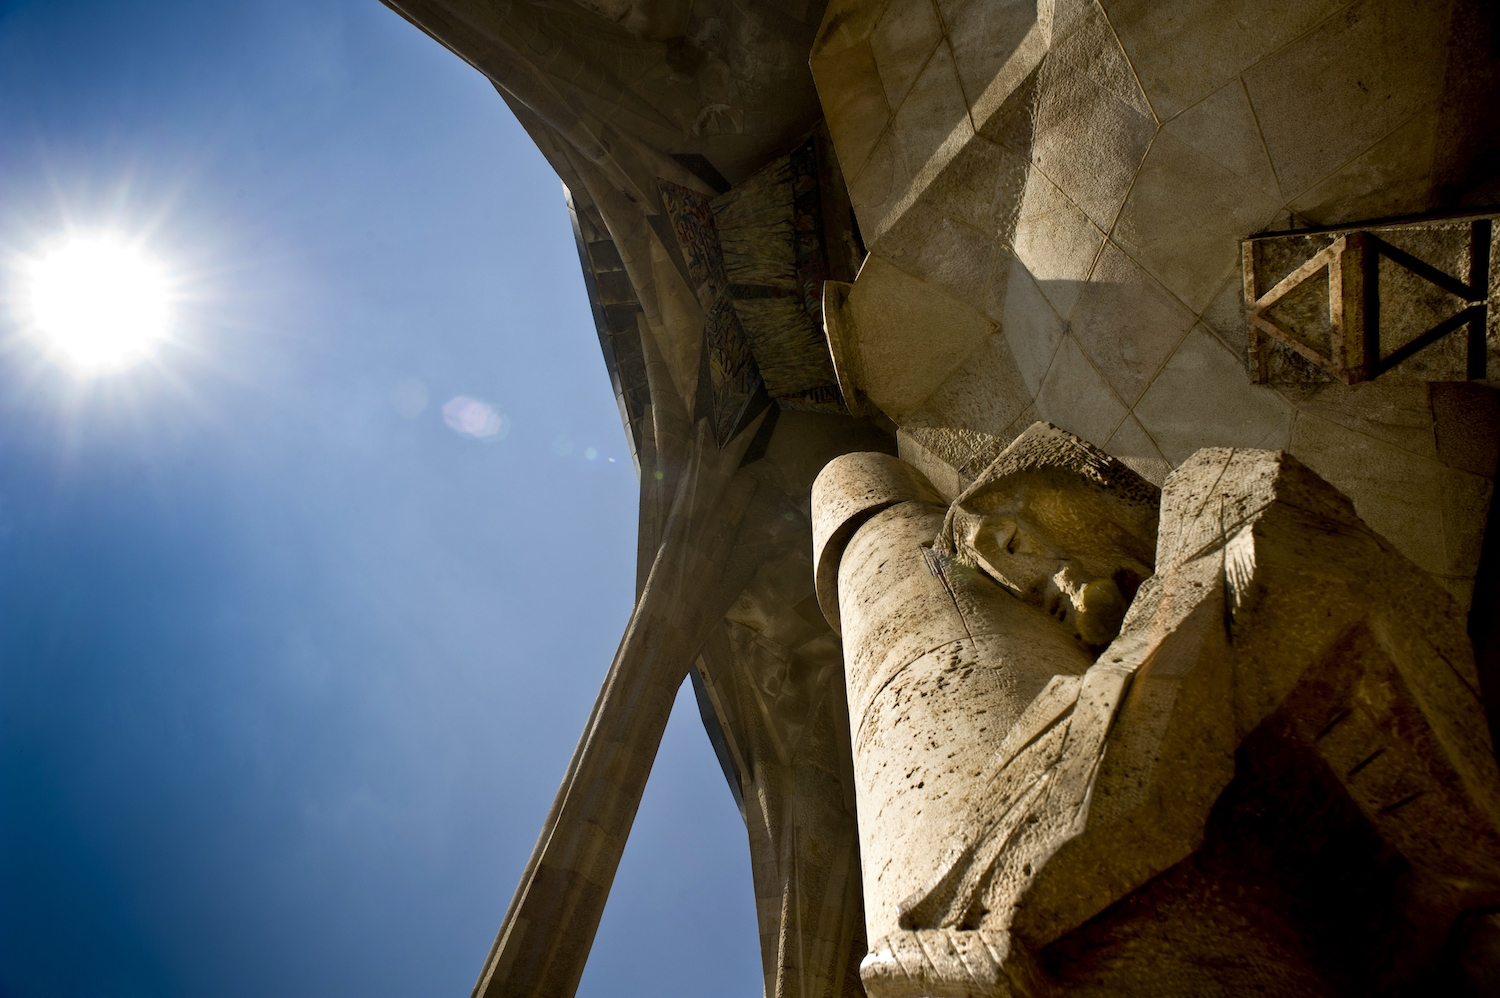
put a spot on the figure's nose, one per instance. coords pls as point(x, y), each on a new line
point(1012, 553)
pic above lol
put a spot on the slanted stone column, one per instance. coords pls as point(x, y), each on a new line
point(548, 930)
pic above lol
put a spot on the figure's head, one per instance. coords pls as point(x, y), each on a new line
point(1062, 526)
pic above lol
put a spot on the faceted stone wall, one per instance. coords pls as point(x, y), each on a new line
point(1054, 194)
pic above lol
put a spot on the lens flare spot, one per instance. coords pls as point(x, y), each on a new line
point(99, 302)
point(590, 454)
point(474, 418)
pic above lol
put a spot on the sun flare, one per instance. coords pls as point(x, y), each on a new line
point(98, 301)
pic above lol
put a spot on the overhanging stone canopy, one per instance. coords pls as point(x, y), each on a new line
point(1230, 252)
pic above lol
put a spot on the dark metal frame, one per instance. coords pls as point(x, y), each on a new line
point(1354, 338)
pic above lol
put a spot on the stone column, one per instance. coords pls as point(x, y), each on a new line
point(939, 668)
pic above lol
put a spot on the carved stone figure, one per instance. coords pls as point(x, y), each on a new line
point(1271, 775)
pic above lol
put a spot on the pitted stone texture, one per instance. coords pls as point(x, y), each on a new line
point(1279, 635)
point(930, 661)
point(968, 420)
point(849, 490)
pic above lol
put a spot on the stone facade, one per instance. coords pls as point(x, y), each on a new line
point(987, 262)
point(1064, 188)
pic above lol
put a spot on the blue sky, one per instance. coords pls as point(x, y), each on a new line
point(290, 669)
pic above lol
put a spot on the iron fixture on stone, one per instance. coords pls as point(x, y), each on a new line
point(1409, 300)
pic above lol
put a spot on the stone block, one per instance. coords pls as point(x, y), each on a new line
point(1392, 177)
point(877, 187)
point(1184, 50)
point(1202, 398)
point(1005, 113)
point(1055, 240)
point(902, 40)
point(1397, 493)
point(1093, 125)
point(1032, 328)
point(1466, 507)
point(1185, 216)
point(980, 186)
point(932, 125)
point(953, 458)
point(995, 46)
point(1127, 322)
point(968, 420)
point(1466, 422)
point(931, 451)
point(1138, 452)
point(948, 254)
point(985, 393)
point(1353, 79)
point(1397, 413)
point(846, 24)
point(1469, 122)
point(849, 83)
point(1462, 590)
point(1225, 315)
point(1075, 396)
point(908, 336)
point(1222, 126)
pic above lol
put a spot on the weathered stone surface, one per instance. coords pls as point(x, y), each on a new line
point(885, 308)
point(1174, 129)
point(1052, 196)
point(1012, 788)
point(1194, 394)
point(1076, 396)
point(846, 495)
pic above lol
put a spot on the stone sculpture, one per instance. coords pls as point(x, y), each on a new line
point(997, 213)
point(1276, 779)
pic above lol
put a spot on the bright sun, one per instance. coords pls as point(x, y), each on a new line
point(98, 301)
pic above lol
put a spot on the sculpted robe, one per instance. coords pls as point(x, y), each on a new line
point(1276, 779)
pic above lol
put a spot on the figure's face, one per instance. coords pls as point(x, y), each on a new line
point(1051, 548)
